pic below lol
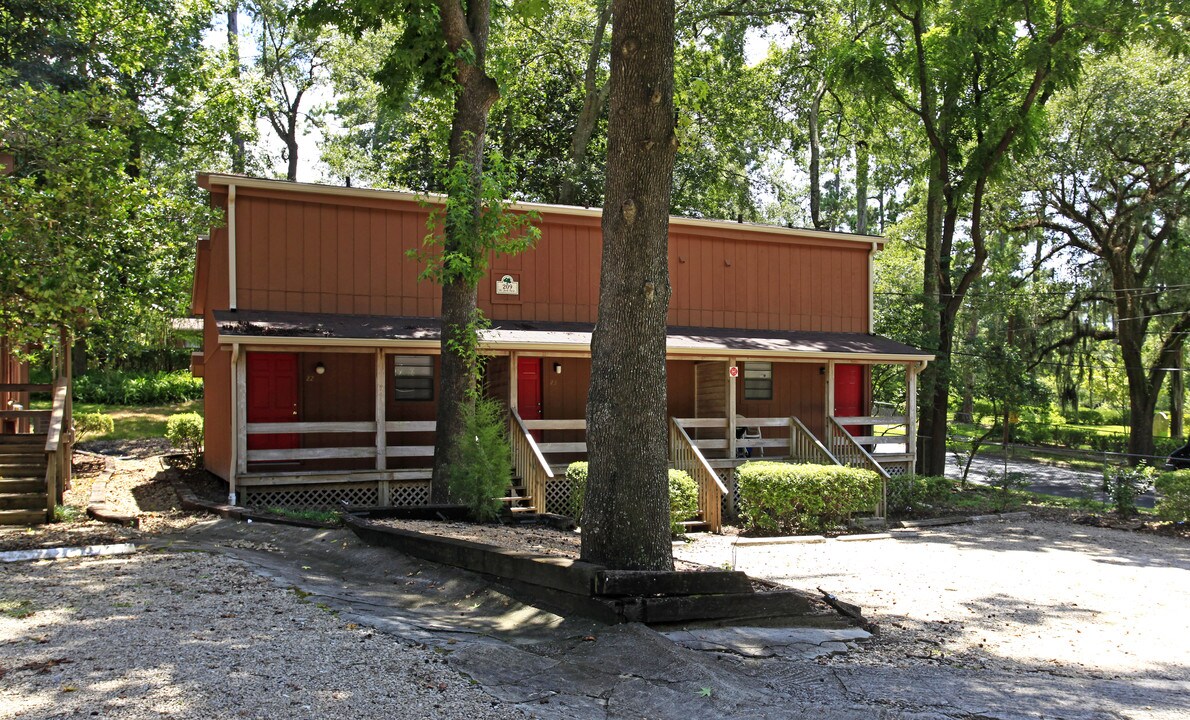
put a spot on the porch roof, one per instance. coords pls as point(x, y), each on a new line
point(257, 327)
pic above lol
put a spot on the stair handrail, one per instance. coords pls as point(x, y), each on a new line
point(800, 435)
point(57, 448)
point(854, 454)
point(685, 455)
point(528, 461)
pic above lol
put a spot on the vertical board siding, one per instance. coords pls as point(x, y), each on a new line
point(340, 255)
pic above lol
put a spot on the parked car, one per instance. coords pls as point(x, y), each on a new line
point(1179, 459)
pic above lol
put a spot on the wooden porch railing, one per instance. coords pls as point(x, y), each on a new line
point(58, 448)
point(528, 461)
point(804, 447)
point(849, 452)
point(685, 455)
point(324, 453)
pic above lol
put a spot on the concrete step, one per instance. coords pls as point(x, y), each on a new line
point(23, 501)
point(22, 517)
point(20, 486)
point(530, 509)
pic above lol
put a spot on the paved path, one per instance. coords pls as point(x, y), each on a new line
point(549, 667)
point(1043, 478)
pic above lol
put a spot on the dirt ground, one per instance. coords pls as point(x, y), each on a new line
point(1041, 595)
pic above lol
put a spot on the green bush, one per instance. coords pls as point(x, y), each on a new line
point(576, 473)
point(683, 499)
point(779, 497)
point(907, 493)
point(1175, 495)
point(91, 424)
point(683, 495)
point(184, 432)
point(131, 388)
point(1124, 484)
point(483, 470)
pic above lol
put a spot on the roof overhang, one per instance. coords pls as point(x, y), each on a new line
point(324, 331)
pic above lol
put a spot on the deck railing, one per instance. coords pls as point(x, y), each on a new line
point(528, 461)
point(367, 427)
point(685, 455)
point(849, 452)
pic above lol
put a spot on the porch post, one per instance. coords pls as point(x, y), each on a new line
point(829, 405)
point(240, 421)
point(730, 410)
point(512, 380)
point(911, 415)
point(381, 402)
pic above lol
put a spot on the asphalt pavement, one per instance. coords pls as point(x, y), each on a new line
point(1042, 477)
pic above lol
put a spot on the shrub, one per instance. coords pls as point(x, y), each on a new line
point(576, 473)
point(1124, 484)
point(130, 388)
point(1175, 495)
point(683, 495)
point(482, 472)
point(683, 499)
point(907, 493)
point(184, 432)
point(93, 424)
point(780, 497)
point(1090, 416)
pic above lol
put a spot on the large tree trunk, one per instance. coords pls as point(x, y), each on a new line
point(862, 163)
point(626, 511)
point(476, 95)
point(1177, 394)
point(928, 422)
point(815, 133)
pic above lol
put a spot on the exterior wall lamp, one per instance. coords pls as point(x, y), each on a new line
point(557, 368)
point(320, 369)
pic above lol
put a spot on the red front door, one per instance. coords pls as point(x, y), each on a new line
point(272, 397)
point(849, 394)
point(528, 390)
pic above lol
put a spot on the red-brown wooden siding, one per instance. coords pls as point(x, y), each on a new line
point(337, 254)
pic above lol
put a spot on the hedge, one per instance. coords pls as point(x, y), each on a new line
point(683, 495)
point(778, 497)
point(129, 388)
point(1174, 488)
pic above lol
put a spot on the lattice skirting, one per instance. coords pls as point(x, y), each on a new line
point(557, 496)
point(895, 469)
point(310, 497)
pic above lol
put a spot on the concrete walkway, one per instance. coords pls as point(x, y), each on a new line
point(550, 667)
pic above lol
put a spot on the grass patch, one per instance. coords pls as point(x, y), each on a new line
point(16, 609)
point(131, 423)
point(320, 516)
point(68, 514)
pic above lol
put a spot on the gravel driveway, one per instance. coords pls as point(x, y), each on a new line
point(1024, 597)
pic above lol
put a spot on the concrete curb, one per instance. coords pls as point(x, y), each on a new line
point(67, 552)
point(782, 540)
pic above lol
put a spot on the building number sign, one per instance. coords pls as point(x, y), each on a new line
point(733, 371)
point(507, 286)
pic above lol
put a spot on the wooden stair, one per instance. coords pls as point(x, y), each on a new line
point(518, 500)
point(22, 479)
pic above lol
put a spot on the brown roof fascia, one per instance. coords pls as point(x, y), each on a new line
point(571, 214)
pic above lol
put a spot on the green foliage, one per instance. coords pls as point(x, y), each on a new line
point(784, 498)
point(130, 388)
point(68, 514)
point(909, 493)
point(683, 499)
point(1174, 488)
point(91, 424)
point(576, 474)
point(483, 469)
point(185, 432)
point(327, 517)
point(1124, 484)
point(683, 495)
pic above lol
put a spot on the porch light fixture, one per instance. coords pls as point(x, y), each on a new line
point(557, 368)
point(320, 369)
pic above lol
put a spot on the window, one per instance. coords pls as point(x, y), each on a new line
point(758, 381)
point(413, 377)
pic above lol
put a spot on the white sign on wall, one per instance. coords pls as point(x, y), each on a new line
point(507, 286)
